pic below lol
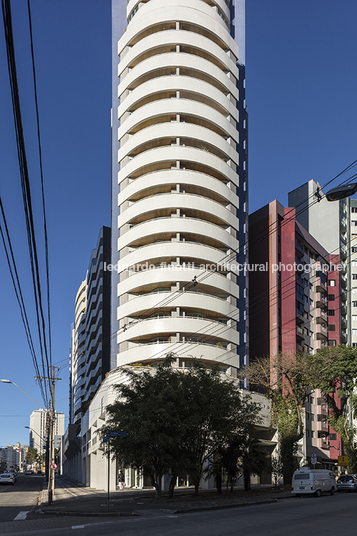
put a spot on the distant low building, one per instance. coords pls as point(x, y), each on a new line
point(12, 457)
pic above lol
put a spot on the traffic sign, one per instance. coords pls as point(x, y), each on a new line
point(342, 461)
point(53, 466)
point(114, 433)
point(313, 458)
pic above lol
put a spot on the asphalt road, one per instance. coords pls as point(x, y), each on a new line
point(20, 497)
point(311, 516)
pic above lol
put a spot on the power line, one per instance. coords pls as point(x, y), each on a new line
point(198, 279)
point(18, 292)
point(25, 186)
point(42, 187)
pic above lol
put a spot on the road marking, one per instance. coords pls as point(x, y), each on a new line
point(77, 527)
point(21, 516)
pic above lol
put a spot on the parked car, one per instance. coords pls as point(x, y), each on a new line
point(313, 481)
point(15, 475)
point(347, 483)
point(29, 472)
point(7, 478)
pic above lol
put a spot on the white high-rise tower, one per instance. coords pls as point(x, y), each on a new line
point(179, 184)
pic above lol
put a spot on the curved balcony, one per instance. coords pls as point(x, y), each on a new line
point(159, 251)
point(188, 90)
point(159, 135)
point(169, 275)
point(151, 208)
point(197, 67)
point(156, 158)
point(164, 111)
point(192, 13)
point(152, 352)
point(146, 302)
point(160, 229)
point(166, 41)
point(193, 181)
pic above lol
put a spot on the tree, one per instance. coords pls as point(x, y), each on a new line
point(253, 460)
point(334, 372)
point(146, 410)
point(177, 420)
point(285, 380)
point(31, 455)
point(276, 469)
point(216, 414)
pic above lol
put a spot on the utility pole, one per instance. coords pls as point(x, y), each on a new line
point(51, 443)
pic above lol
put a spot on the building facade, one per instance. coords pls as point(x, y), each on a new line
point(295, 301)
point(179, 185)
point(39, 430)
point(330, 223)
point(91, 334)
point(12, 457)
point(352, 298)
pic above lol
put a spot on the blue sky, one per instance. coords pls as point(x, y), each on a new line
point(301, 80)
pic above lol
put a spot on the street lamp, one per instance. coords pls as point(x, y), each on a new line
point(340, 192)
point(13, 383)
point(51, 415)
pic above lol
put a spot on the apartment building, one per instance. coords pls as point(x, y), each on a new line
point(295, 299)
point(90, 340)
point(179, 185)
point(39, 430)
point(330, 224)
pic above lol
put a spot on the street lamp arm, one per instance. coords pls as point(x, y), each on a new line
point(13, 383)
point(32, 430)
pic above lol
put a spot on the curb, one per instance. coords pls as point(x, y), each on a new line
point(135, 514)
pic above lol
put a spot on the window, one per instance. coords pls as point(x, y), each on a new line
point(354, 276)
point(331, 328)
point(331, 283)
point(332, 343)
point(354, 304)
point(303, 476)
point(312, 417)
point(354, 249)
point(330, 297)
point(354, 209)
point(312, 433)
point(332, 437)
point(330, 312)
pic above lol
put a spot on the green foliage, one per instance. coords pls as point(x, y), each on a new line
point(31, 455)
point(285, 380)
point(177, 420)
point(334, 372)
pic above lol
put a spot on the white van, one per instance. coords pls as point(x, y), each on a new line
point(308, 481)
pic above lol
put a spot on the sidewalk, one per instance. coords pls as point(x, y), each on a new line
point(71, 499)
